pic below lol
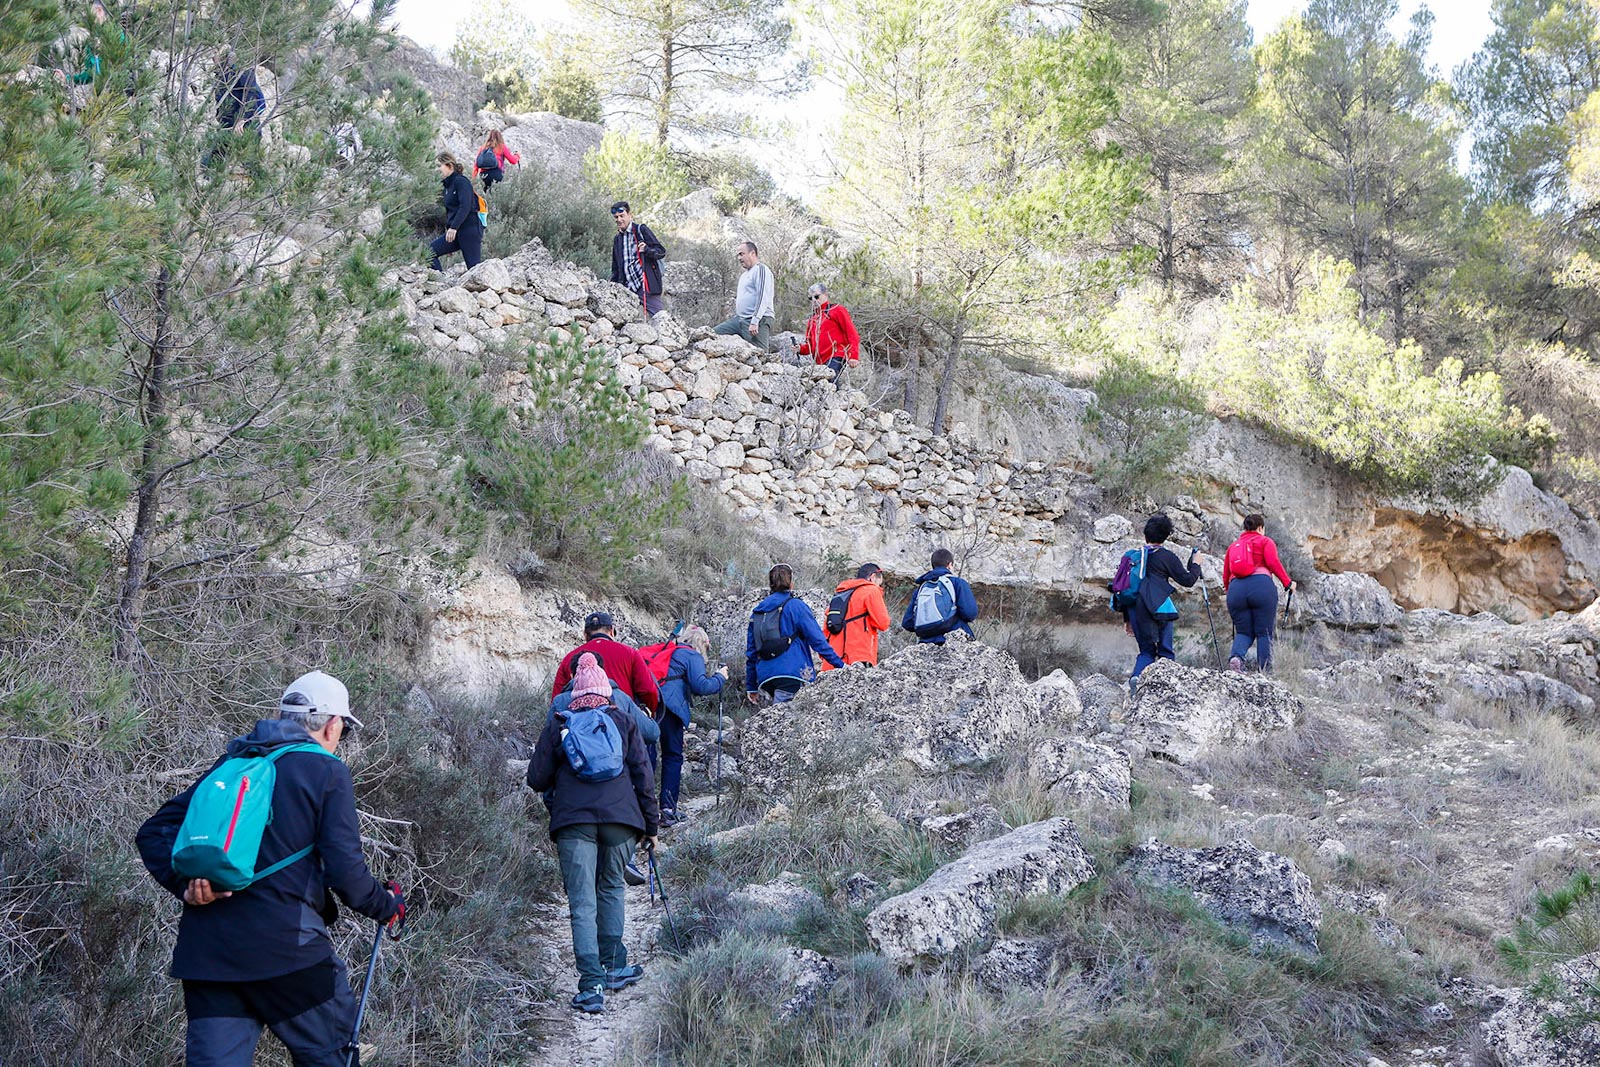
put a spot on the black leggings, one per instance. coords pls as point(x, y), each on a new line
point(469, 242)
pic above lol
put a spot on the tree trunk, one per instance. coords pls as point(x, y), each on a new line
point(1168, 240)
point(947, 376)
point(152, 413)
point(664, 101)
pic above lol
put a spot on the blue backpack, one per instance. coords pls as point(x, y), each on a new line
point(936, 607)
point(228, 812)
point(1124, 585)
point(593, 743)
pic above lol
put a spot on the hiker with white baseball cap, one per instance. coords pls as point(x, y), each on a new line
point(252, 849)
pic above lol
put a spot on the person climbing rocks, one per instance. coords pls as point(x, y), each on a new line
point(831, 337)
point(1153, 618)
point(621, 662)
point(782, 634)
point(688, 676)
point(261, 956)
point(1247, 573)
point(860, 615)
point(636, 258)
point(943, 602)
point(492, 160)
point(240, 106)
point(596, 825)
point(463, 231)
point(752, 301)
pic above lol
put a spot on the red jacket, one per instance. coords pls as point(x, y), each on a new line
point(503, 154)
point(830, 333)
point(1261, 553)
point(623, 665)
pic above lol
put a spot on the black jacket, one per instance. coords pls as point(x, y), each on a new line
point(629, 798)
point(279, 924)
point(650, 251)
point(460, 203)
point(1161, 569)
point(239, 97)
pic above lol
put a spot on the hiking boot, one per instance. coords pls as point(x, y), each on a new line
point(1236, 664)
point(632, 875)
point(623, 977)
point(591, 1003)
point(670, 818)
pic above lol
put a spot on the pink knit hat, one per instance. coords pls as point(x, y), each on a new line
point(590, 678)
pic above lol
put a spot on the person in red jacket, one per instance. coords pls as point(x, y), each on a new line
point(831, 337)
point(1247, 573)
point(622, 663)
point(494, 148)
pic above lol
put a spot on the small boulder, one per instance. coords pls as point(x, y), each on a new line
point(813, 973)
point(457, 301)
point(1181, 713)
point(1261, 893)
point(1083, 773)
point(1059, 705)
point(1102, 701)
point(1017, 963)
point(1112, 529)
point(488, 274)
point(1349, 601)
point(957, 908)
point(1521, 1032)
point(614, 302)
point(787, 896)
point(956, 833)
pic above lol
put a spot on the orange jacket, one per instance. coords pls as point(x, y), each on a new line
point(866, 618)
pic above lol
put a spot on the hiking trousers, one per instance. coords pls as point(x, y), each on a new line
point(1155, 642)
point(469, 242)
point(312, 1011)
point(671, 761)
point(1253, 603)
point(593, 856)
point(761, 337)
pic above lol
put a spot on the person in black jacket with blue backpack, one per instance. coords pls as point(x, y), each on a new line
point(597, 817)
point(463, 230)
point(1153, 618)
point(943, 603)
point(260, 956)
point(783, 633)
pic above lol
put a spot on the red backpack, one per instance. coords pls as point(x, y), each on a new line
point(1242, 560)
point(659, 658)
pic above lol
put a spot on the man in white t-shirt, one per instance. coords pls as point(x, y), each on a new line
point(752, 302)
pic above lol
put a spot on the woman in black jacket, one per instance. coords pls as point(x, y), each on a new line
point(463, 232)
point(596, 826)
point(1153, 620)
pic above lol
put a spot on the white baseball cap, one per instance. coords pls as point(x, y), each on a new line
point(318, 694)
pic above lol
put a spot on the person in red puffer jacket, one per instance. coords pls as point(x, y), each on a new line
point(1248, 571)
point(831, 337)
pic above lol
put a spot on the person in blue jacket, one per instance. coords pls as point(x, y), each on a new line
point(688, 676)
point(778, 647)
point(965, 603)
point(261, 956)
point(463, 232)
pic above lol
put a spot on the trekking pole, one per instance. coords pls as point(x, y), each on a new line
point(366, 991)
point(717, 778)
point(1205, 594)
point(1287, 600)
point(657, 887)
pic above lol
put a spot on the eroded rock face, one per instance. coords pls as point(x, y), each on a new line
point(1430, 682)
point(1261, 893)
point(1519, 1033)
point(1348, 600)
point(1181, 713)
point(553, 142)
point(931, 707)
point(960, 904)
point(1083, 773)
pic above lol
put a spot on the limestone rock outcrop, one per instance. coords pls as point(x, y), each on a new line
point(1347, 600)
point(1082, 773)
point(1181, 713)
point(929, 708)
point(959, 905)
point(1519, 1033)
point(1261, 893)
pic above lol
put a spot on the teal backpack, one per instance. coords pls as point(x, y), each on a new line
point(228, 812)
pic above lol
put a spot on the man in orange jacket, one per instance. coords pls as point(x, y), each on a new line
point(857, 615)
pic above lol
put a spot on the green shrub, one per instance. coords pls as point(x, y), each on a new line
point(1147, 415)
point(572, 225)
point(568, 89)
point(738, 182)
point(631, 168)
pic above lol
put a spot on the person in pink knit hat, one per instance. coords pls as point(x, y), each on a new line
point(596, 826)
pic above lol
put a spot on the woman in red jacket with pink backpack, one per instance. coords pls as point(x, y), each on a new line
point(1248, 571)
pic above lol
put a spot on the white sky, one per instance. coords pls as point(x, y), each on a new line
point(1459, 27)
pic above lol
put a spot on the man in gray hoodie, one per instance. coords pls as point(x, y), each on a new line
point(752, 302)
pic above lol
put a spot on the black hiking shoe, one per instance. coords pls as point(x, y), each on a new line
point(623, 977)
point(632, 875)
point(591, 1003)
